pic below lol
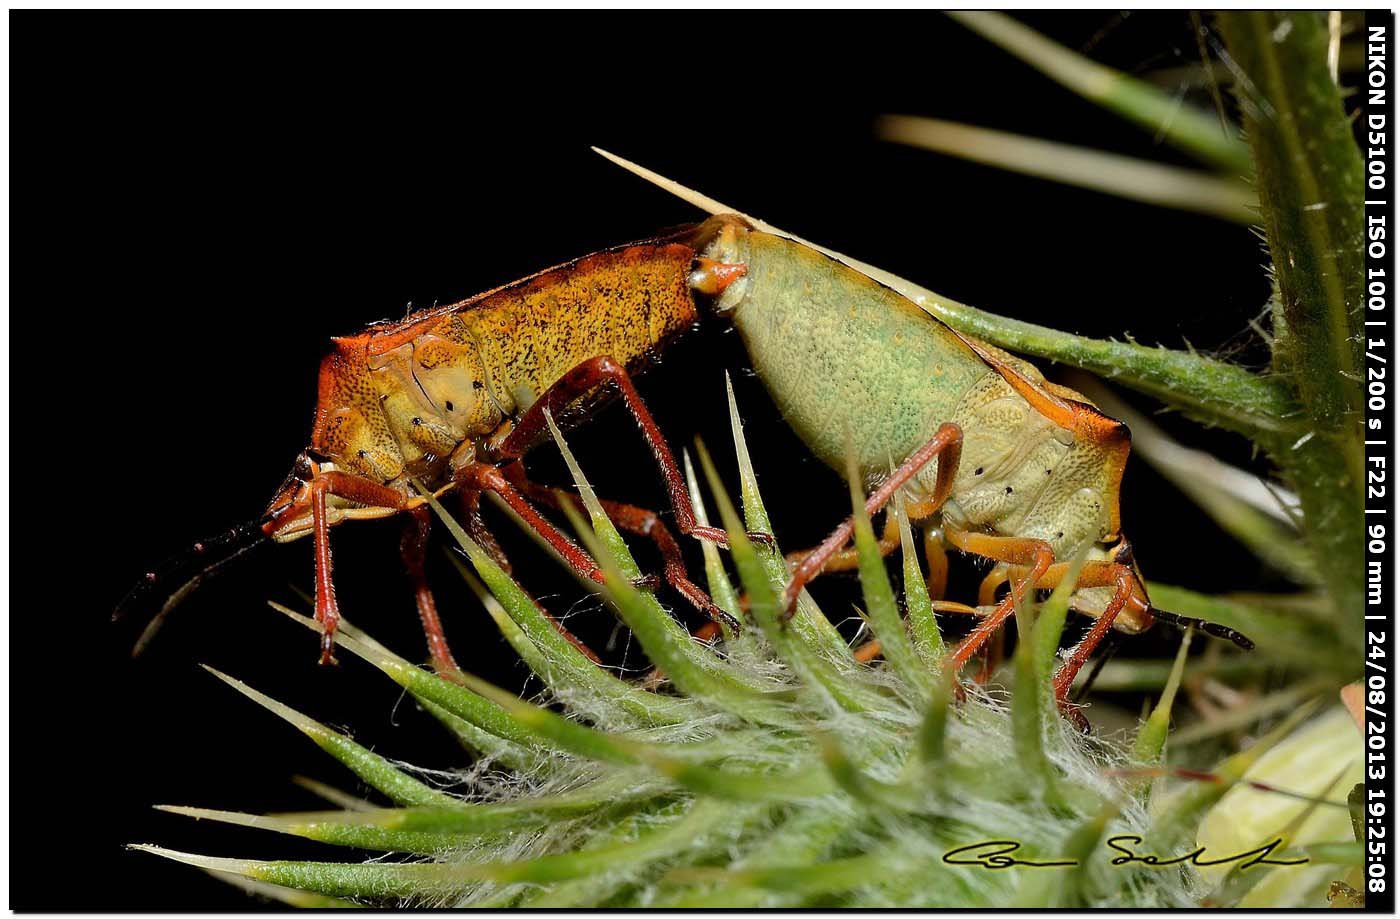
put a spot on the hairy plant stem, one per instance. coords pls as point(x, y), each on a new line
point(1207, 390)
point(1309, 176)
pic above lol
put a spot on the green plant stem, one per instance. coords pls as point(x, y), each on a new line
point(1309, 176)
point(1109, 173)
point(1207, 390)
point(1196, 132)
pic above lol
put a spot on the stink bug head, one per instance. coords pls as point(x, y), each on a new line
point(289, 516)
point(289, 513)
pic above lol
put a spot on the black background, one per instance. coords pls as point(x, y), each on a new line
point(199, 203)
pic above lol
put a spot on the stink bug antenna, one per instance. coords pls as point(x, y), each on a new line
point(206, 557)
point(1213, 629)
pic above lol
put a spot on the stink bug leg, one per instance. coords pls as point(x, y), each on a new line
point(1032, 558)
point(642, 522)
point(946, 444)
point(361, 491)
point(479, 477)
point(414, 548)
point(848, 558)
point(584, 380)
point(1094, 574)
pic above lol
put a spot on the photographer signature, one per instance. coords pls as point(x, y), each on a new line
point(997, 854)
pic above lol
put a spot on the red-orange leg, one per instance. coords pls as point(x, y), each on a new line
point(995, 648)
point(478, 477)
point(962, 609)
point(642, 522)
point(361, 491)
point(868, 651)
point(327, 610)
point(485, 477)
point(413, 548)
point(993, 653)
point(848, 558)
point(937, 558)
point(946, 445)
point(1032, 558)
point(991, 584)
point(477, 528)
point(1095, 574)
point(586, 378)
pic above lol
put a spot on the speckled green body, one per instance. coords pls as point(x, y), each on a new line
point(851, 362)
point(845, 357)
